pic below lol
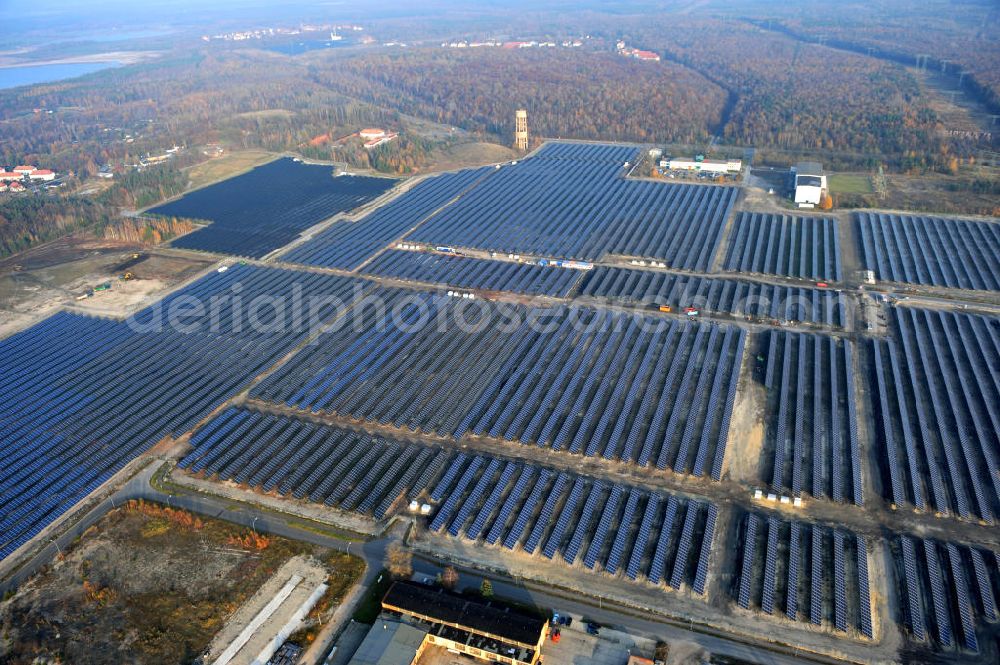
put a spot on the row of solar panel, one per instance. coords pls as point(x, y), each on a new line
point(811, 379)
point(933, 251)
point(939, 400)
point(936, 595)
point(522, 506)
point(802, 247)
point(750, 300)
point(781, 565)
point(470, 273)
point(629, 388)
point(324, 464)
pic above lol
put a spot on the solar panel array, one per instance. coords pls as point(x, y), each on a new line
point(788, 565)
point(750, 300)
point(83, 396)
point(563, 516)
point(258, 212)
point(773, 244)
point(938, 411)
point(469, 273)
point(932, 251)
point(322, 463)
point(348, 244)
point(628, 388)
point(572, 201)
point(946, 590)
point(810, 383)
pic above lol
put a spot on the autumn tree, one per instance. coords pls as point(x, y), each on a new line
point(486, 588)
point(399, 561)
point(449, 578)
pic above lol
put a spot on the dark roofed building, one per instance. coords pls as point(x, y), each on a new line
point(471, 626)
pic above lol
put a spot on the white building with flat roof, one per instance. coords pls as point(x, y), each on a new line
point(810, 184)
point(703, 165)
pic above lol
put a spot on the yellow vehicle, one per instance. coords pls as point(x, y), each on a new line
point(666, 308)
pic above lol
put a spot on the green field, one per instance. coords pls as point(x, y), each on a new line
point(850, 183)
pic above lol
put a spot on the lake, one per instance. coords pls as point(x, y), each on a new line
point(12, 77)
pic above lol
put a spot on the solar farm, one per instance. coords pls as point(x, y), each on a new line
point(258, 212)
point(633, 389)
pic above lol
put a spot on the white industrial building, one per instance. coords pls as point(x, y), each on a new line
point(703, 165)
point(810, 184)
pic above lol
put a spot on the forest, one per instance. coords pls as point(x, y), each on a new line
point(959, 37)
point(568, 94)
point(26, 221)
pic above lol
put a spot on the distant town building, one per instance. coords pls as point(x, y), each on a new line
point(810, 184)
point(42, 174)
point(374, 137)
point(638, 54)
point(22, 172)
point(521, 130)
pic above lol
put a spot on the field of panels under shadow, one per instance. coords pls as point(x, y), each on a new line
point(257, 212)
point(621, 387)
point(804, 573)
point(937, 407)
point(811, 431)
point(947, 596)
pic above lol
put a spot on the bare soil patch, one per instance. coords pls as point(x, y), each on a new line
point(148, 585)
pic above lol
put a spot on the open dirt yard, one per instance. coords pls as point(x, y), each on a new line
point(150, 585)
point(226, 166)
point(37, 283)
point(466, 155)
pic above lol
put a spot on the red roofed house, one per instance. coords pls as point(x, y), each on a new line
point(42, 174)
point(25, 170)
point(379, 141)
point(646, 55)
point(7, 175)
point(16, 187)
point(3, 186)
